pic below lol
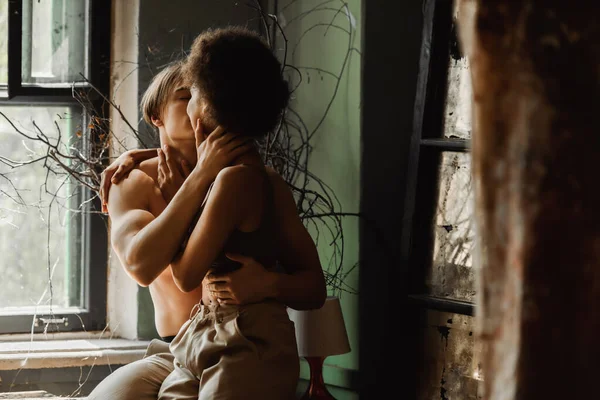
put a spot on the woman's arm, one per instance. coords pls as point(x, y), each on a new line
point(302, 288)
point(222, 214)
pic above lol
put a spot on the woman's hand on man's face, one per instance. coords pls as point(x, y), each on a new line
point(218, 150)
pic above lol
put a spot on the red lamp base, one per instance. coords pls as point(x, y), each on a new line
point(316, 389)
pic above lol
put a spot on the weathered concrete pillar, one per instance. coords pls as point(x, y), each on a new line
point(536, 149)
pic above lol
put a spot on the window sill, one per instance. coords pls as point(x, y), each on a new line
point(63, 351)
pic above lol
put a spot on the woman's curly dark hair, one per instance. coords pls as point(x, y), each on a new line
point(239, 78)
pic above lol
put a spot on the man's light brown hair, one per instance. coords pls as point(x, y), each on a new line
point(161, 87)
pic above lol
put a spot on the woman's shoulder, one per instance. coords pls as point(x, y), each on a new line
point(276, 179)
point(241, 176)
point(241, 182)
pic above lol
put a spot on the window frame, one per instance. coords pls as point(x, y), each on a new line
point(94, 226)
point(428, 145)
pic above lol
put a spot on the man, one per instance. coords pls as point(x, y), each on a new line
point(151, 212)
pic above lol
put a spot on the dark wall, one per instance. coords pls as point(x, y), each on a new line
point(168, 28)
point(391, 46)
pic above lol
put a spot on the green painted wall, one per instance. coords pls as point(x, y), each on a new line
point(319, 36)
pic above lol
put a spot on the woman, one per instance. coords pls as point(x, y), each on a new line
point(232, 351)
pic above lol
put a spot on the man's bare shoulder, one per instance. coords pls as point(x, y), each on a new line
point(149, 167)
point(133, 191)
point(135, 180)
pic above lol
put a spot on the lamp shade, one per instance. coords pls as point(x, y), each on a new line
point(322, 332)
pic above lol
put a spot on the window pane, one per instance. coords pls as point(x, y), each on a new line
point(3, 42)
point(457, 111)
point(452, 272)
point(39, 236)
point(55, 45)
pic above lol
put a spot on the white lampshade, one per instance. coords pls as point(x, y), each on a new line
point(322, 332)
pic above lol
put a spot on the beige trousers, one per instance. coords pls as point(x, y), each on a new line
point(139, 380)
point(234, 352)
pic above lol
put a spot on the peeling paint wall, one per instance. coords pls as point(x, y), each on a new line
point(450, 366)
point(452, 270)
point(452, 273)
point(449, 357)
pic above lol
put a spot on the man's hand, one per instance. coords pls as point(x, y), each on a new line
point(218, 150)
point(118, 169)
point(250, 284)
point(171, 173)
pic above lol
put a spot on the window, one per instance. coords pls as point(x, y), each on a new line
point(53, 54)
point(440, 245)
point(441, 265)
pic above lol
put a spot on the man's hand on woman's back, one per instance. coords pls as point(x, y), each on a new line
point(251, 283)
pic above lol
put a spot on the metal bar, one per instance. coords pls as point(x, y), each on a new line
point(45, 91)
point(26, 40)
point(447, 144)
point(418, 116)
point(28, 100)
point(437, 83)
point(99, 57)
point(15, 25)
point(442, 304)
point(275, 11)
point(96, 225)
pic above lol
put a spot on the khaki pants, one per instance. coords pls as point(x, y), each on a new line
point(234, 352)
point(139, 380)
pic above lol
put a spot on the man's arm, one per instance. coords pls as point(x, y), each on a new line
point(146, 244)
